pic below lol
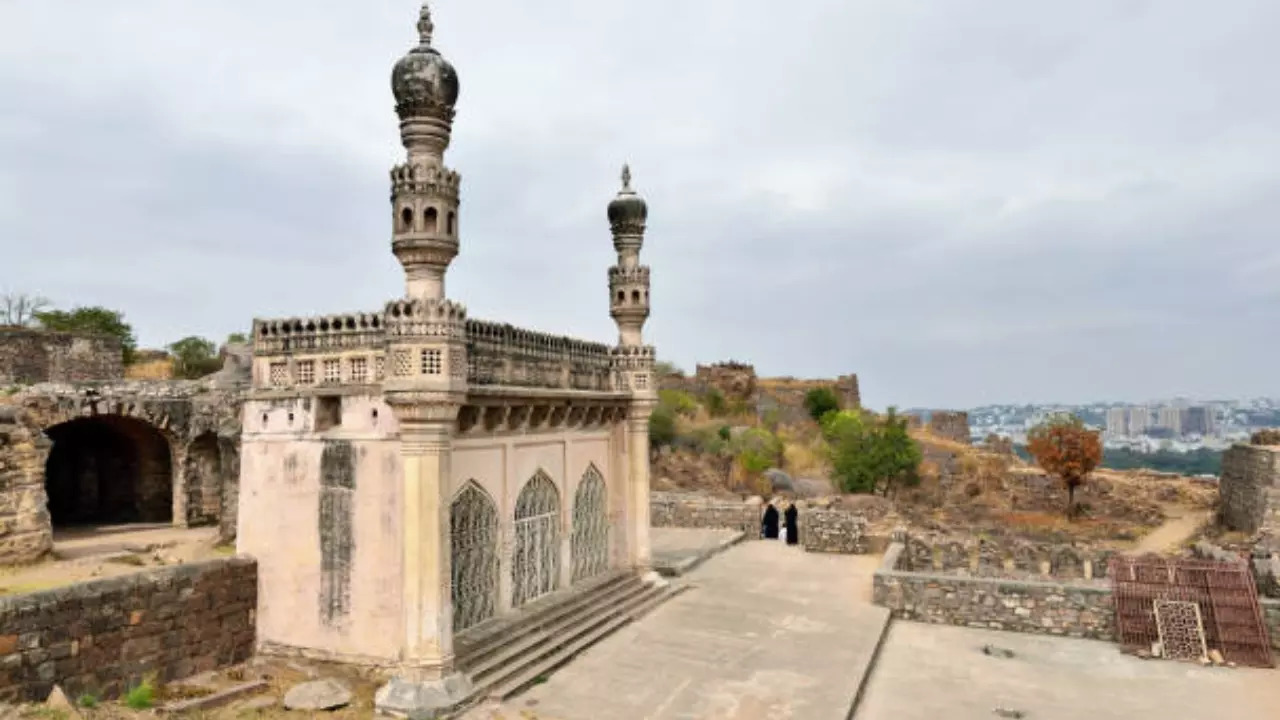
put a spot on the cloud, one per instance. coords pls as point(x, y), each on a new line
point(962, 202)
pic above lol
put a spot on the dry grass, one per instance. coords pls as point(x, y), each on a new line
point(160, 369)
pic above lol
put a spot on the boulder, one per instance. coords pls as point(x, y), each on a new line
point(779, 480)
point(324, 694)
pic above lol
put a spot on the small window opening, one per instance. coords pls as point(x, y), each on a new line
point(328, 412)
point(406, 219)
point(430, 220)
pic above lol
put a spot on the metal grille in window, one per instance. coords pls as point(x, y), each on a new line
point(279, 373)
point(359, 370)
point(535, 569)
point(333, 371)
point(306, 372)
point(590, 541)
point(401, 363)
point(473, 539)
point(379, 367)
point(431, 362)
point(457, 363)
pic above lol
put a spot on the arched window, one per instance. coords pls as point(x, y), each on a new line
point(430, 220)
point(473, 547)
point(406, 219)
point(535, 569)
point(453, 219)
point(590, 541)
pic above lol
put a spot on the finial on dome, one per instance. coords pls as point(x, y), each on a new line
point(425, 26)
point(626, 177)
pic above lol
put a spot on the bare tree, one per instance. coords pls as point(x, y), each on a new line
point(20, 309)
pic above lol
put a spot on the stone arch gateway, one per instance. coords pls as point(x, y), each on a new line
point(108, 469)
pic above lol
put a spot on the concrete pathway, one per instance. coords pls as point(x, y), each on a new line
point(676, 551)
point(767, 632)
point(930, 672)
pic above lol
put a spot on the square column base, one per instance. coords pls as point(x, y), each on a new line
point(422, 699)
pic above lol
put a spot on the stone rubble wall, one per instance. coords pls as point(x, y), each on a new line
point(34, 356)
point(1003, 557)
point(1031, 606)
point(690, 510)
point(1249, 490)
point(1046, 606)
point(950, 424)
point(103, 637)
point(25, 535)
point(833, 531)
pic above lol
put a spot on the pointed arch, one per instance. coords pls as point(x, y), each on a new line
point(473, 548)
point(535, 569)
point(590, 540)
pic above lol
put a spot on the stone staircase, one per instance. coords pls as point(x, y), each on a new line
point(503, 658)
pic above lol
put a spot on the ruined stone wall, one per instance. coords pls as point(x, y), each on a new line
point(834, 531)
point(1001, 557)
point(104, 636)
point(1249, 489)
point(950, 424)
point(1074, 609)
point(690, 510)
point(1271, 618)
point(733, 380)
point(25, 535)
point(34, 356)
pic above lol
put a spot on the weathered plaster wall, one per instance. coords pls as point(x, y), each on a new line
point(35, 356)
point(103, 636)
point(1249, 488)
point(321, 513)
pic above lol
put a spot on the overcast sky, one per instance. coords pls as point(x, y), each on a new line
point(962, 201)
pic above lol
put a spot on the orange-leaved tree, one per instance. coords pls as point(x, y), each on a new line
point(1063, 446)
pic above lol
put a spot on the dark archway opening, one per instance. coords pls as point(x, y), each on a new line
point(108, 469)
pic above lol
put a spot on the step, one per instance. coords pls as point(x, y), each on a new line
point(573, 623)
point(484, 638)
point(522, 626)
point(514, 683)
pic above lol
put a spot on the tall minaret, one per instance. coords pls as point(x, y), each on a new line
point(628, 279)
point(426, 380)
point(632, 359)
point(424, 193)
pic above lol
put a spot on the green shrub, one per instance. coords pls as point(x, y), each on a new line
point(725, 432)
point(679, 401)
point(819, 401)
point(714, 402)
point(868, 453)
point(87, 700)
point(757, 450)
point(142, 695)
point(662, 427)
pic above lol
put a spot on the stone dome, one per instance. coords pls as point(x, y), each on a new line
point(423, 80)
point(627, 208)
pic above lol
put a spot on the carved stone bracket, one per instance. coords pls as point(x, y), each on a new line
point(532, 416)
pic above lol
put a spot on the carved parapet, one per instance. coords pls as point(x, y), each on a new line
point(411, 178)
point(324, 333)
point(633, 368)
point(501, 354)
point(408, 318)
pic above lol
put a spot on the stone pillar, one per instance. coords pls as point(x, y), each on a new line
point(426, 678)
point(638, 485)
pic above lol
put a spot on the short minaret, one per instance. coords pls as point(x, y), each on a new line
point(633, 360)
point(425, 379)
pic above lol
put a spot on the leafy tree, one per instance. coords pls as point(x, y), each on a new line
point(819, 401)
point(869, 453)
point(19, 309)
point(757, 450)
point(236, 338)
point(93, 319)
point(194, 357)
point(662, 368)
point(662, 427)
point(1064, 447)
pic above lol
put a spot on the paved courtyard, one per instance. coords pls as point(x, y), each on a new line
point(767, 632)
point(929, 672)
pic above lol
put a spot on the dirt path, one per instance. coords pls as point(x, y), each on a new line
point(1180, 527)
